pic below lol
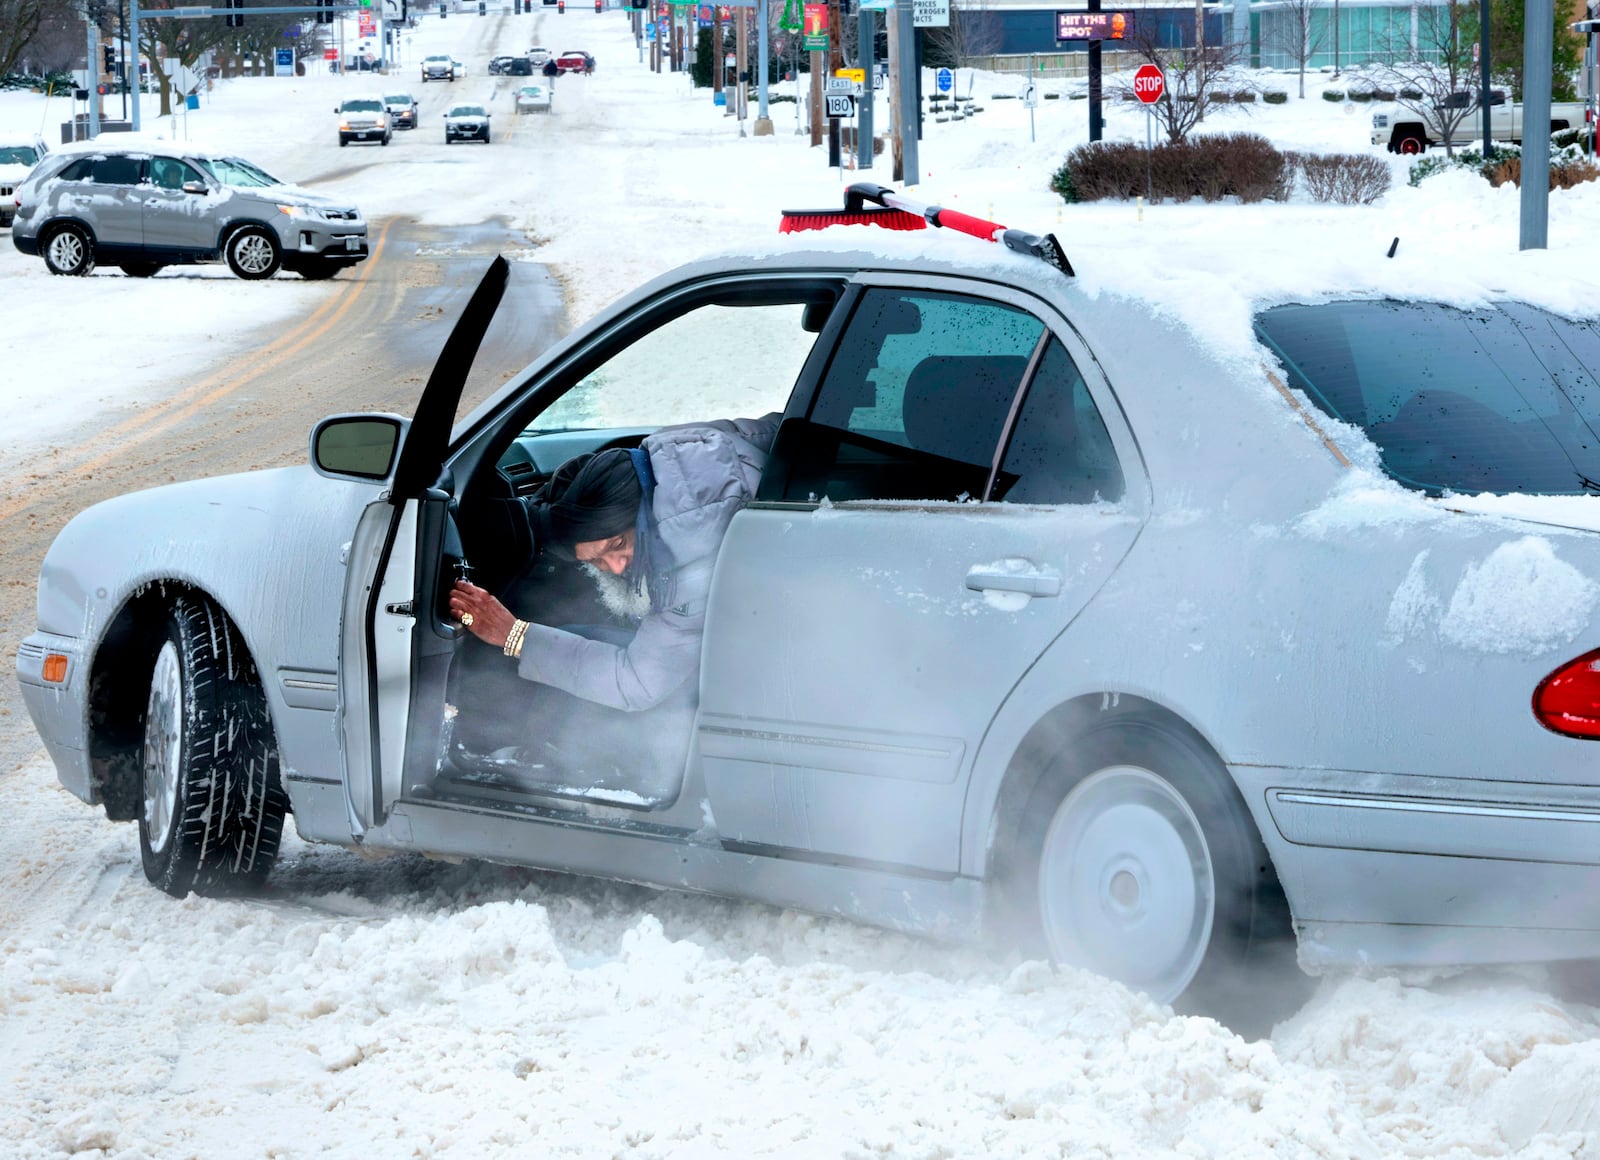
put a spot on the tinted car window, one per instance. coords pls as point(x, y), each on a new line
point(116, 171)
point(362, 106)
point(1500, 399)
point(78, 170)
point(1060, 451)
point(914, 402)
point(18, 155)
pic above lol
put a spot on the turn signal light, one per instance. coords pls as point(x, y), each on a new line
point(55, 668)
point(1568, 700)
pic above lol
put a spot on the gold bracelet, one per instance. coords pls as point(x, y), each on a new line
point(513, 645)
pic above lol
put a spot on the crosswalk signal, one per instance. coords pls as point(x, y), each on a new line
point(324, 11)
point(235, 18)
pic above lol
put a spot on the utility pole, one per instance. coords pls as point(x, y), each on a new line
point(866, 31)
point(1483, 76)
point(1538, 51)
point(763, 125)
point(907, 115)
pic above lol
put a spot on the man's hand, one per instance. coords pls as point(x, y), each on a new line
point(490, 620)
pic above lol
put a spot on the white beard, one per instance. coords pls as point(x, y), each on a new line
point(629, 601)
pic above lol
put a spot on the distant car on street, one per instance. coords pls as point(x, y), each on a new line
point(438, 68)
point(575, 61)
point(537, 54)
point(533, 99)
point(402, 110)
point(500, 65)
point(364, 118)
point(466, 123)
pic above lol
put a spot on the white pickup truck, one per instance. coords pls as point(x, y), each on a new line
point(1403, 129)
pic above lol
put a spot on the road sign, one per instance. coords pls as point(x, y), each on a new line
point(930, 13)
point(1030, 97)
point(858, 75)
point(1149, 84)
point(841, 105)
point(841, 85)
point(945, 79)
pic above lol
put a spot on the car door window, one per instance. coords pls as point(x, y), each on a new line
point(116, 170)
point(914, 403)
point(170, 173)
point(1060, 450)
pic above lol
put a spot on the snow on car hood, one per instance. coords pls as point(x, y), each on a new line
point(12, 174)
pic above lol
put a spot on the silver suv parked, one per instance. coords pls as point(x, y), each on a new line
point(142, 208)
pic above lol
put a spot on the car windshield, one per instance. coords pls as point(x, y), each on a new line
point(401, 99)
point(531, 91)
point(363, 105)
point(17, 155)
point(236, 171)
point(467, 111)
point(1499, 399)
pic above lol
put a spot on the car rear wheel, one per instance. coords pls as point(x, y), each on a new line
point(140, 269)
point(1410, 144)
point(1137, 860)
point(253, 253)
point(213, 805)
point(69, 251)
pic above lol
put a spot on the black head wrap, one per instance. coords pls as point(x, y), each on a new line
point(590, 497)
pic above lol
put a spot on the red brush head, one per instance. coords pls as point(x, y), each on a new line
point(795, 220)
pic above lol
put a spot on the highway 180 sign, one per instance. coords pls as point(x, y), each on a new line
point(1149, 84)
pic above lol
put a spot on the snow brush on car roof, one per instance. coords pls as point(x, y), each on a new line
point(897, 212)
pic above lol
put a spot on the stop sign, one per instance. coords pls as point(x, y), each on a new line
point(1149, 84)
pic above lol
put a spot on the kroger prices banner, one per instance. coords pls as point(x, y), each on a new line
point(930, 13)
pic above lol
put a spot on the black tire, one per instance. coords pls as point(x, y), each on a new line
point(343, 141)
point(253, 253)
point(1410, 144)
point(317, 270)
point(69, 250)
point(140, 269)
point(1136, 858)
point(213, 806)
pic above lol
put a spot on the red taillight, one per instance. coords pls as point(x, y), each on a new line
point(1568, 700)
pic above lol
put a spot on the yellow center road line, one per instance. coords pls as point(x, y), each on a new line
point(174, 409)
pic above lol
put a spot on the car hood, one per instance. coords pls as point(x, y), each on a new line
point(302, 196)
point(11, 174)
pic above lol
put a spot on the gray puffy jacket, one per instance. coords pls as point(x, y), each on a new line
point(705, 472)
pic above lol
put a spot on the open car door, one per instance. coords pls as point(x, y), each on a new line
point(394, 615)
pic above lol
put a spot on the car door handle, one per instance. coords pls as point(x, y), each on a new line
point(1028, 582)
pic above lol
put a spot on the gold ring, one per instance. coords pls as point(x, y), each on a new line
point(466, 619)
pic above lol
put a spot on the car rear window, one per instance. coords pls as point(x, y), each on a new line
point(1500, 399)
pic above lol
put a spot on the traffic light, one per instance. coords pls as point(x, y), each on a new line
point(235, 17)
point(108, 54)
point(324, 11)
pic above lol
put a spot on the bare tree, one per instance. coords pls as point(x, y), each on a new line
point(973, 31)
point(22, 21)
point(1198, 79)
point(1434, 78)
point(1296, 32)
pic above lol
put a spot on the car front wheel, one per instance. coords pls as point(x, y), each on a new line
point(253, 253)
point(213, 805)
point(1137, 860)
point(70, 251)
point(140, 269)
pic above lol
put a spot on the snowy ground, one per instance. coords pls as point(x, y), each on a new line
point(414, 1009)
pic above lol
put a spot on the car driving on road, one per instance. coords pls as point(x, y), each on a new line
point(364, 118)
point(533, 99)
point(145, 208)
point(402, 110)
point(438, 68)
point(466, 123)
point(1056, 617)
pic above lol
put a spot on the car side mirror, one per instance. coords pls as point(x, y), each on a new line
point(196, 187)
point(359, 447)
